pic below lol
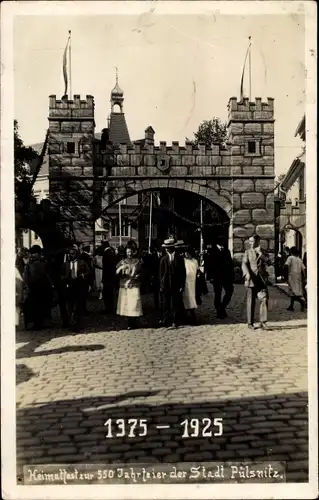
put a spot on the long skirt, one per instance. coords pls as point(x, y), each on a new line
point(18, 313)
point(98, 279)
point(129, 302)
point(296, 285)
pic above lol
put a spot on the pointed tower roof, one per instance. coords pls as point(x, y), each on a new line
point(150, 129)
point(117, 124)
point(118, 129)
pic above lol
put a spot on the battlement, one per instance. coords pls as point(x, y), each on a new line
point(175, 148)
point(250, 110)
point(75, 108)
point(76, 102)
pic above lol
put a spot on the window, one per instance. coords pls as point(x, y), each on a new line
point(70, 148)
point(251, 147)
point(125, 228)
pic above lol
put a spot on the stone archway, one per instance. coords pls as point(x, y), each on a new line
point(210, 190)
point(219, 204)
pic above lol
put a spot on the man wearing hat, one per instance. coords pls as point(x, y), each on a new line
point(172, 284)
point(220, 271)
point(74, 275)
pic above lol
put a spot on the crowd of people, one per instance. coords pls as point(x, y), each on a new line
point(175, 274)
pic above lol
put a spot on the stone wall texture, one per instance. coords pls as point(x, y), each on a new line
point(238, 178)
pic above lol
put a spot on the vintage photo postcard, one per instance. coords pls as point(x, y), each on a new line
point(159, 250)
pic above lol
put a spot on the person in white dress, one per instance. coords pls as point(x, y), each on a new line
point(189, 294)
point(98, 270)
point(19, 295)
point(129, 302)
point(296, 279)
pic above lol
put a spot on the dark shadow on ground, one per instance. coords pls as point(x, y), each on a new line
point(27, 351)
point(261, 428)
point(97, 322)
point(23, 374)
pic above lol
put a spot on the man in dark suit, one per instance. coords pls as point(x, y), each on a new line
point(254, 267)
point(87, 257)
point(172, 276)
point(220, 271)
point(152, 273)
point(75, 272)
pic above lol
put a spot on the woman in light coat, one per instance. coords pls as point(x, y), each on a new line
point(129, 299)
point(98, 271)
point(189, 294)
point(296, 279)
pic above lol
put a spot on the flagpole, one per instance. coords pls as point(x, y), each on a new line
point(120, 221)
point(243, 73)
point(150, 226)
point(249, 61)
point(70, 72)
point(201, 227)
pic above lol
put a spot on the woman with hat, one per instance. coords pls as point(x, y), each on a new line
point(189, 294)
point(129, 302)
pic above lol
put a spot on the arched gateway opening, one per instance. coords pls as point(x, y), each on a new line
point(152, 215)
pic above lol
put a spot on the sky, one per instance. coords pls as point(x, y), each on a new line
point(175, 70)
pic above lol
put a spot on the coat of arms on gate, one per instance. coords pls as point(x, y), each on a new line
point(164, 163)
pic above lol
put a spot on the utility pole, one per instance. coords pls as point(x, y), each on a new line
point(120, 221)
point(150, 223)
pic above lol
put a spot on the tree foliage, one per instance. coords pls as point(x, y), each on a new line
point(24, 158)
point(210, 132)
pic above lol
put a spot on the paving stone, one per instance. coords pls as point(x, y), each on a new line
point(71, 432)
point(63, 450)
point(249, 453)
point(172, 458)
point(237, 446)
point(297, 465)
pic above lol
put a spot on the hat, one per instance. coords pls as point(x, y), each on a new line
point(35, 249)
point(170, 242)
point(180, 244)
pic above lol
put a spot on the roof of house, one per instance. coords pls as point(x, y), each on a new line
point(301, 129)
point(294, 172)
point(45, 165)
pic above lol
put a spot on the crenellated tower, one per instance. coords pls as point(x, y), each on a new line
point(251, 138)
point(71, 160)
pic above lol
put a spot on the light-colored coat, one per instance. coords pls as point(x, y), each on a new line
point(296, 275)
point(253, 266)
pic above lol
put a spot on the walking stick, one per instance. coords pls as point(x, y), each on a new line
point(243, 303)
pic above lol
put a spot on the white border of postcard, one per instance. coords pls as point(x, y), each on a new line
point(10, 489)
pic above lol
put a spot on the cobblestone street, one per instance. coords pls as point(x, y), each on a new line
point(69, 385)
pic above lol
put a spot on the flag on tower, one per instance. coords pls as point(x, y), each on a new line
point(248, 53)
point(65, 69)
